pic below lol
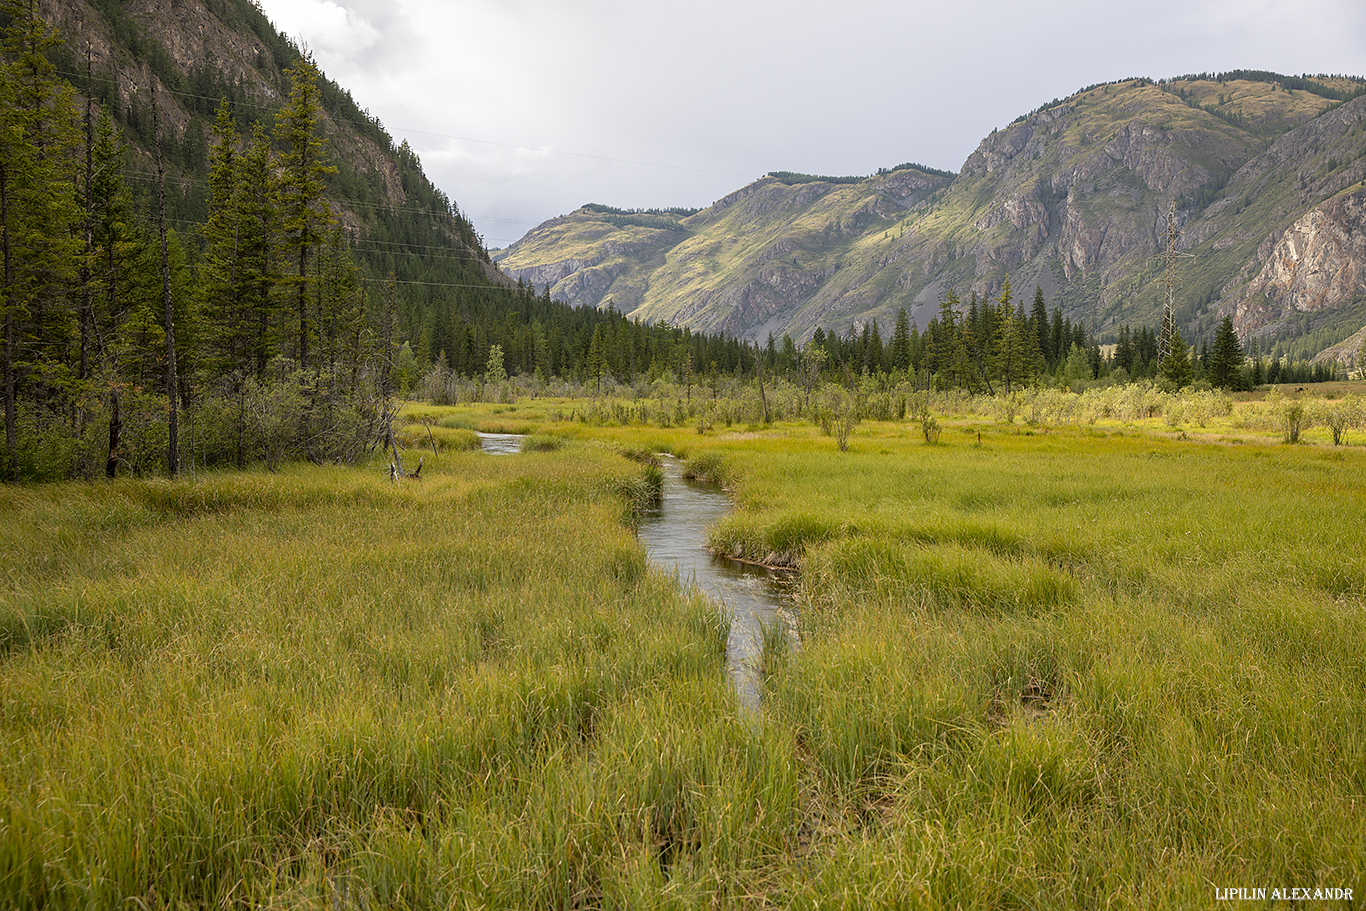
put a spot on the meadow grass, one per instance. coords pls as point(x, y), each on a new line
point(1067, 670)
point(1040, 666)
point(320, 688)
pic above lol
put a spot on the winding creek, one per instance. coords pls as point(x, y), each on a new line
point(675, 538)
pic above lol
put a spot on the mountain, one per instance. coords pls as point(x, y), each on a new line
point(1265, 172)
point(197, 53)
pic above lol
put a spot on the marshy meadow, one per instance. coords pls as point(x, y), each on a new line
point(1055, 652)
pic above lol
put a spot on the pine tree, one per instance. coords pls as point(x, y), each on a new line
point(305, 213)
point(168, 306)
point(117, 243)
point(1058, 340)
point(596, 364)
point(1226, 358)
point(1124, 351)
point(1038, 324)
point(1176, 365)
point(901, 342)
point(222, 284)
point(1013, 358)
point(257, 225)
point(39, 245)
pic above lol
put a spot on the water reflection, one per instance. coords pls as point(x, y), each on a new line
point(500, 443)
point(675, 536)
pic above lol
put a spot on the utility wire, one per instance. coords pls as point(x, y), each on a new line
point(375, 123)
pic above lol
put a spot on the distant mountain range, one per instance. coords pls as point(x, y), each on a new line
point(1267, 175)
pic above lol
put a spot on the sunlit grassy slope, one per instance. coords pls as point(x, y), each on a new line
point(1046, 666)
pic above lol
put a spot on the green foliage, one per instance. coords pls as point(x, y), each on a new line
point(917, 166)
point(1226, 358)
point(1294, 418)
point(666, 219)
point(791, 178)
point(38, 243)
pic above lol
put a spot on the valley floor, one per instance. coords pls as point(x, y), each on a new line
point(1108, 662)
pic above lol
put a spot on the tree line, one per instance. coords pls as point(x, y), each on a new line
point(263, 330)
point(997, 345)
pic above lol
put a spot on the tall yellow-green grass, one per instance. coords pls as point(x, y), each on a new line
point(1085, 669)
point(320, 689)
point(1073, 666)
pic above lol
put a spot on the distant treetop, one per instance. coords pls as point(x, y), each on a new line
point(792, 178)
point(1306, 83)
point(600, 209)
point(917, 166)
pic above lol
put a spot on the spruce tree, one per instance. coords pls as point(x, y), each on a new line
point(596, 363)
point(219, 279)
point(305, 213)
point(1014, 358)
point(1176, 365)
point(39, 244)
point(1038, 323)
point(901, 341)
point(257, 225)
point(1226, 358)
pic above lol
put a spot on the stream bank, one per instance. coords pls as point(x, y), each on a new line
point(674, 533)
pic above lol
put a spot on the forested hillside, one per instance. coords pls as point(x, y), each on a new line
point(212, 255)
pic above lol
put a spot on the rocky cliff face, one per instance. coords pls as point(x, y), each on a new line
point(1073, 199)
point(1318, 262)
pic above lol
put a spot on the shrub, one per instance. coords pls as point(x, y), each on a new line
point(930, 428)
point(1294, 420)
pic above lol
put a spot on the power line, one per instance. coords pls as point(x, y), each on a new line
point(508, 145)
point(375, 123)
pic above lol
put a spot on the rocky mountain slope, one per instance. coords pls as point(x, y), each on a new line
point(1266, 174)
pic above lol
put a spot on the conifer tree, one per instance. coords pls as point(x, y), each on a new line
point(901, 341)
point(1059, 340)
point(1038, 324)
point(1176, 365)
point(305, 213)
point(1226, 359)
point(220, 278)
point(1014, 360)
point(168, 307)
point(596, 363)
point(257, 226)
point(39, 247)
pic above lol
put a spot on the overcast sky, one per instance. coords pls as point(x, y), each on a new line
point(522, 110)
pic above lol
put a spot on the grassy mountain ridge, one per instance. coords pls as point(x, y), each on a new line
point(1072, 197)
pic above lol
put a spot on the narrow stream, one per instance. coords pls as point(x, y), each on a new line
point(500, 443)
point(675, 537)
